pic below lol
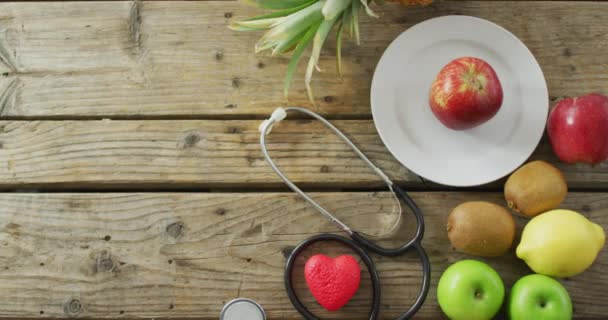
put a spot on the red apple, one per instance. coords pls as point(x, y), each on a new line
point(578, 129)
point(466, 93)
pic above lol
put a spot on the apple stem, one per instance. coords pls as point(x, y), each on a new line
point(478, 294)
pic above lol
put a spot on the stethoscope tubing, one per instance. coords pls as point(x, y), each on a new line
point(394, 252)
point(359, 243)
point(367, 260)
point(375, 279)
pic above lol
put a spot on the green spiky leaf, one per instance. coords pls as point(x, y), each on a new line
point(318, 42)
point(339, 48)
point(283, 13)
point(334, 8)
point(289, 44)
point(346, 17)
point(276, 4)
point(254, 25)
point(368, 10)
point(293, 24)
point(297, 55)
point(355, 21)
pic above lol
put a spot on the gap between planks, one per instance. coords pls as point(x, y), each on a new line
point(248, 189)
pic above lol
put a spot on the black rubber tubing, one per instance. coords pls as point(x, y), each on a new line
point(300, 307)
point(358, 244)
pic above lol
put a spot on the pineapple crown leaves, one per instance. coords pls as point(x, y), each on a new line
point(294, 25)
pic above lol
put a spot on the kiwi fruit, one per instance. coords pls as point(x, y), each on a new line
point(481, 228)
point(535, 188)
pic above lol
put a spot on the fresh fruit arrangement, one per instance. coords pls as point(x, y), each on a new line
point(554, 243)
point(472, 290)
point(465, 93)
point(296, 24)
point(558, 242)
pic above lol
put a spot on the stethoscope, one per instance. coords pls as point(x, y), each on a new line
point(357, 241)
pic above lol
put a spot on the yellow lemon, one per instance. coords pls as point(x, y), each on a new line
point(560, 243)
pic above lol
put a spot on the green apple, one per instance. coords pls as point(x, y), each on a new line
point(470, 290)
point(539, 297)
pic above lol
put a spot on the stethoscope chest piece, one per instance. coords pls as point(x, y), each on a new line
point(242, 309)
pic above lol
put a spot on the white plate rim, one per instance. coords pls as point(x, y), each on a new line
point(480, 181)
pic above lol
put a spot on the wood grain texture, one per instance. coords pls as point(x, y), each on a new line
point(165, 154)
point(168, 255)
point(153, 59)
point(208, 154)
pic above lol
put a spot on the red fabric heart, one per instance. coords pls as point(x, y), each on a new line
point(332, 281)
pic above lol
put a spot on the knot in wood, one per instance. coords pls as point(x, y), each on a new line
point(191, 140)
point(329, 99)
point(72, 307)
point(233, 130)
point(175, 229)
point(105, 265)
point(219, 55)
point(236, 83)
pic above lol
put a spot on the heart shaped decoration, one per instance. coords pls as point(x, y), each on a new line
point(333, 282)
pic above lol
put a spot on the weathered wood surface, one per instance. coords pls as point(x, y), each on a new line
point(153, 59)
point(181, 255)
point(207, 154)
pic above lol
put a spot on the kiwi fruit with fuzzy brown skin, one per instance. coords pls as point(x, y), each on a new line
point(481, 228)
point(534, 188)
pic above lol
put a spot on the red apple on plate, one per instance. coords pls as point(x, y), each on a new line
point(466, 93)
point(578, 129)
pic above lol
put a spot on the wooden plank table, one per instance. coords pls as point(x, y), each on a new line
point(132, 181)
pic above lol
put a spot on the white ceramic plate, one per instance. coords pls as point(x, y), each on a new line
point(408, 128)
